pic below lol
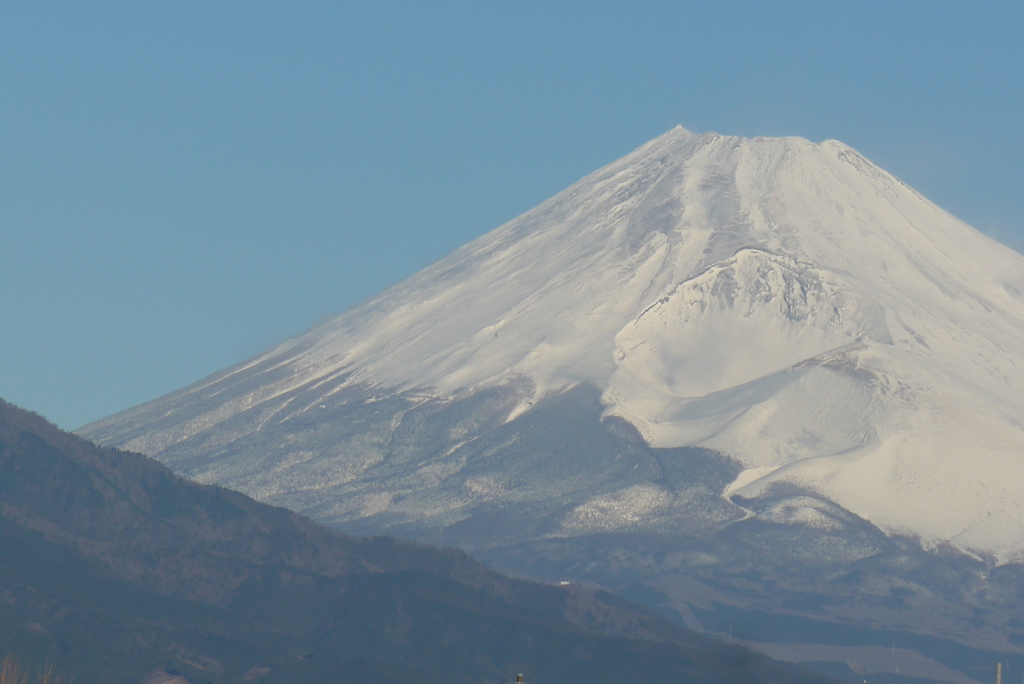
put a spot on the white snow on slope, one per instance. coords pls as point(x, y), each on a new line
point(786, 303)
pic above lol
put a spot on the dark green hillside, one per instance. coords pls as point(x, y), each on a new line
point(114, 569)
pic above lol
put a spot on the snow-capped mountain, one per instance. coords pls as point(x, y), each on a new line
point(789, 305)
point(750, 381)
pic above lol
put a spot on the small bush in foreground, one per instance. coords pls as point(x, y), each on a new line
point(12, 673)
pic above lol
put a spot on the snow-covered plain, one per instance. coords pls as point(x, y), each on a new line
point(786, 303)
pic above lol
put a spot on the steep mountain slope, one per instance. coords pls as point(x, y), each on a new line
point(115, 568)
point(788, 304)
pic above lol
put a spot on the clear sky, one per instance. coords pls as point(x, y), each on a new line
point(183, 184)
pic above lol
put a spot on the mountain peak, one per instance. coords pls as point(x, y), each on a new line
point(788, 304)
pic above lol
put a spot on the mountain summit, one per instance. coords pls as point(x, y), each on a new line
point(804, 319)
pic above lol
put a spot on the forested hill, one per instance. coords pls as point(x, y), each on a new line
point(116, 570)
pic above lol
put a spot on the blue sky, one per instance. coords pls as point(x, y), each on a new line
point(184, 184)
